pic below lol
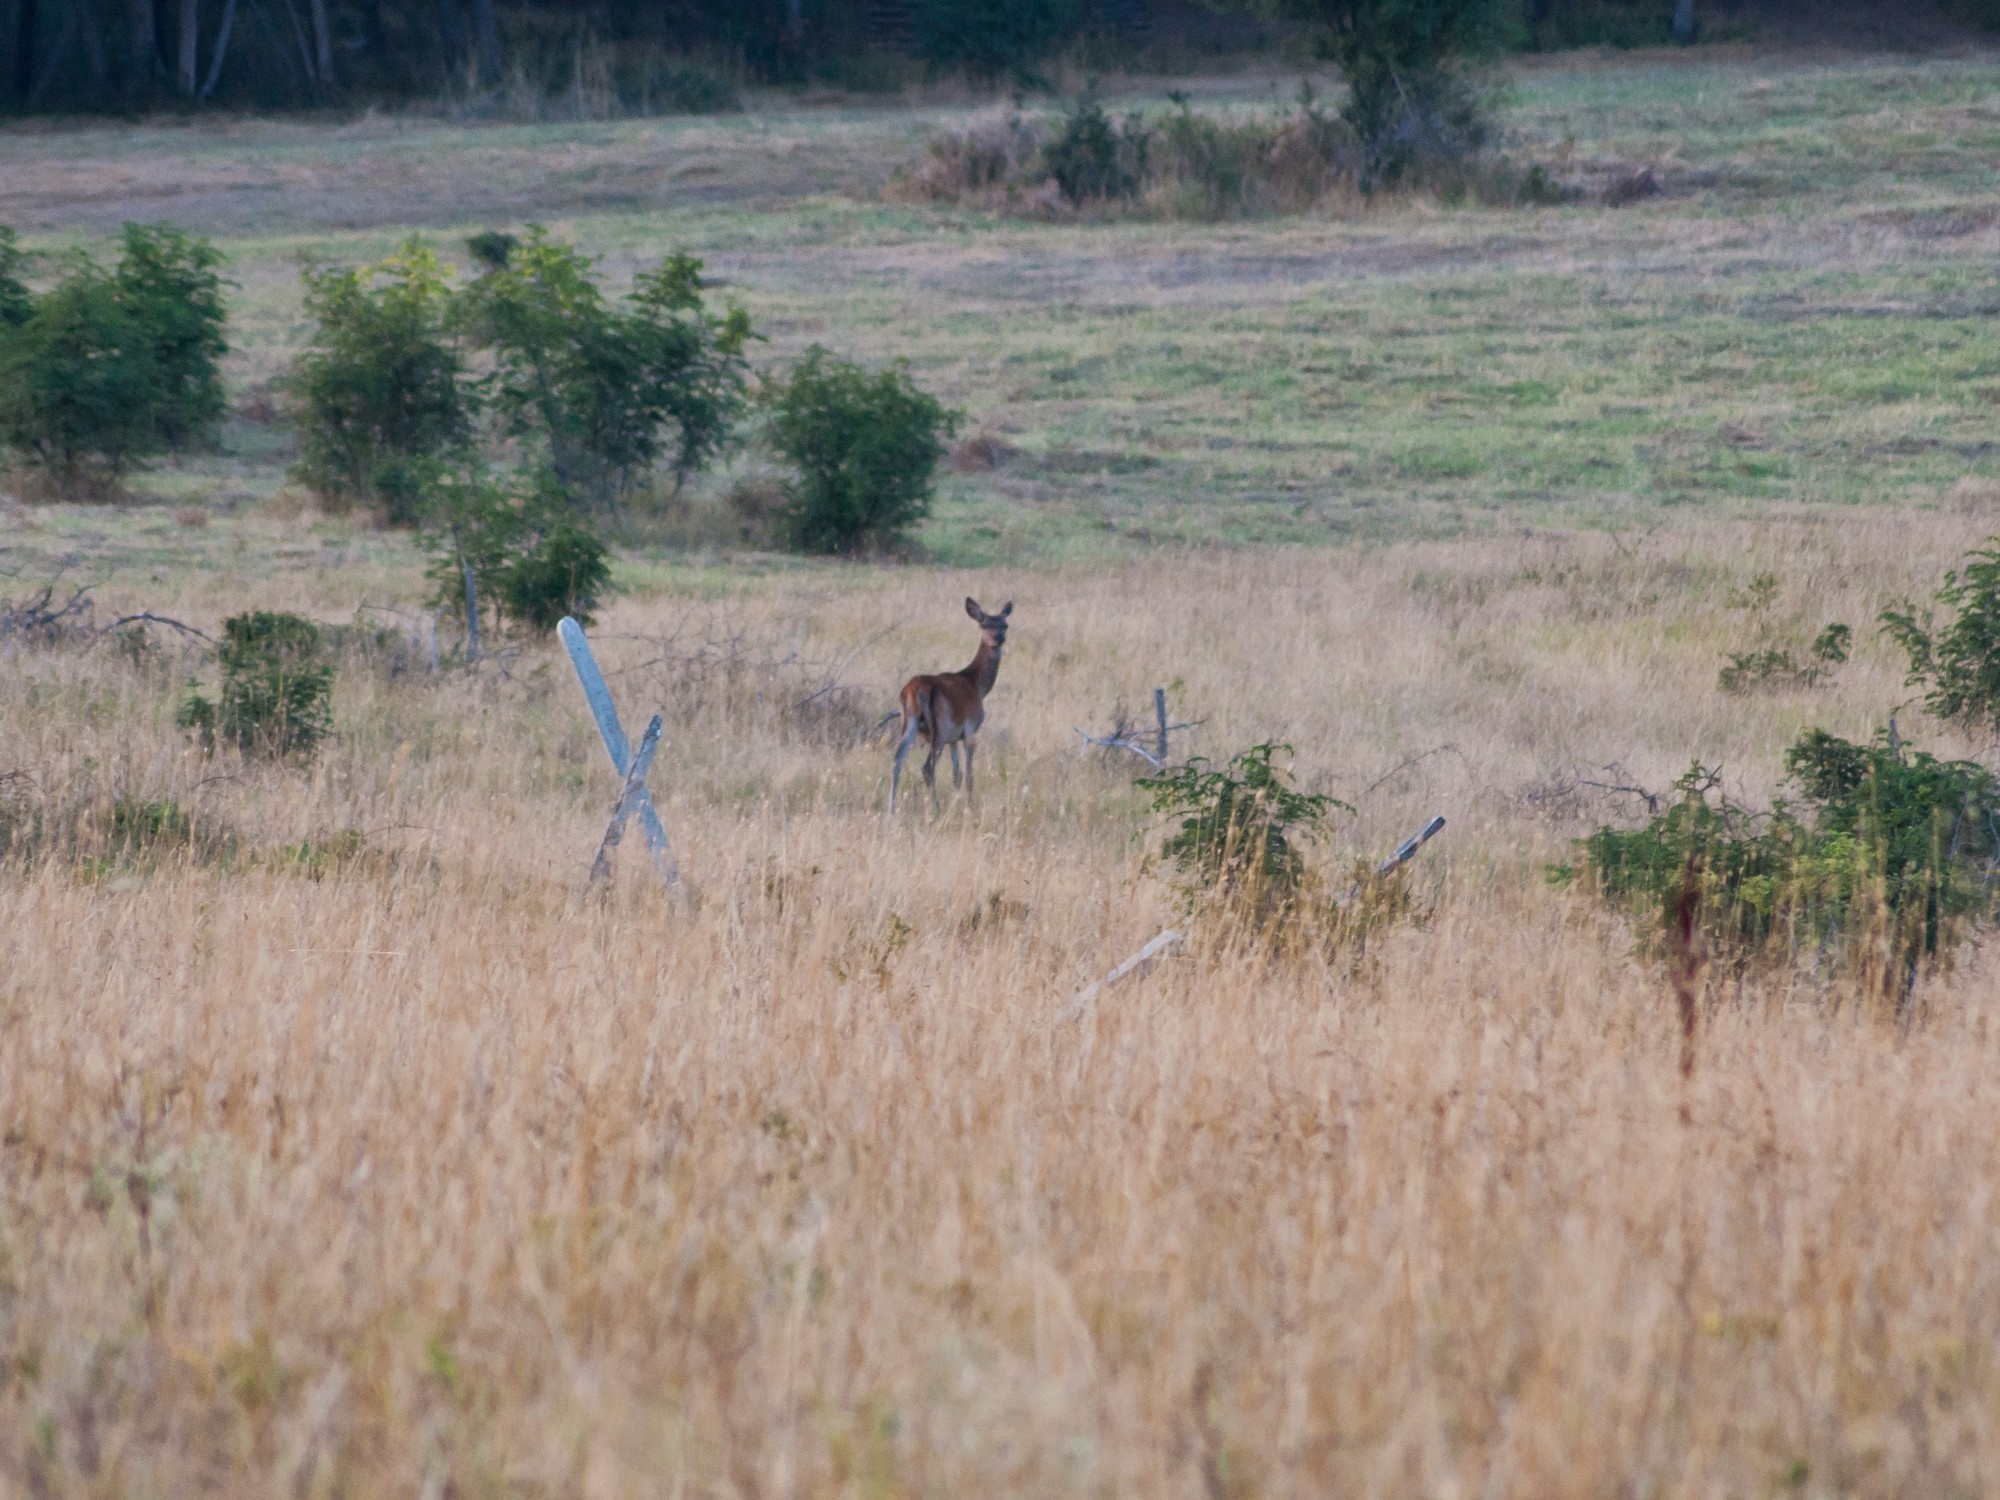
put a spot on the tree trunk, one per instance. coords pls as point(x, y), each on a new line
point(487, 26)
point(24, 49)
point(450, 34)
point(1684, 21)
point(323, 43)
point(190, 61)
point(145, 41)
point(93, 42)
point(221, 47)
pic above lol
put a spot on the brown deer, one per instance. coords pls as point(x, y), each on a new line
point(948, 709)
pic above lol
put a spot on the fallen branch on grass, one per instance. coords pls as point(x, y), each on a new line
point(1126, 736)
point(1165, 945)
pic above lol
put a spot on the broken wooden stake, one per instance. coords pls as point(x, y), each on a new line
point(1405, 851)
point(619, 749)
point(1165, 945)
point(629, 797)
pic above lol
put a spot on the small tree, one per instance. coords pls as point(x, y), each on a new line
point(1403, 62)
point(382, 385)
point(1960, 661)
point(864, 448)
point(516, 549)
point(15, 301)
point(78, 381)
point(609, 391)
point(277, 688)
point(103, 371)
point(1240, 828)
point(168, 282)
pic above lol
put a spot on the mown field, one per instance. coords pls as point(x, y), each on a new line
point(348, 1148)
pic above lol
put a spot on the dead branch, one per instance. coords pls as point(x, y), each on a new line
point(1623, 786)
point(39, 618)
point(147, 617)
point(1165, 945)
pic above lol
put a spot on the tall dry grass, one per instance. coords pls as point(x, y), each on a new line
point(406, 1170)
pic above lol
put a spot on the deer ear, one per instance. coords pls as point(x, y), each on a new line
point(1007, 609)
point(972, 608)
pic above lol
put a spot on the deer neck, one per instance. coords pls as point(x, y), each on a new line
point(985, 669)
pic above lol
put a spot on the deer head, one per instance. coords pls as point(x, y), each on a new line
point(992, 628)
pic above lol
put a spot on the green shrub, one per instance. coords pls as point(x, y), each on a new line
point(1960, 661)
point(167, 280)
point(381, 387)
point(993, 38)
point(1778, 668)
point(15, 302)
point(103, 371)
point(529, 559)
point(864, 449)
point(608, 391)
point(1891, 857)
point(78, 378)
point(277, 688)
point(1408, 97)
point(1239, 830)
point(1091, 161)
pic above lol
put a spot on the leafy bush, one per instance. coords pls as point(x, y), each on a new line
point(277, 688)
point(382, 385)
point(1960, 662)
point(15, 301)
point(167, 280)
point(992, 38)
point(1778, 668)
point(1240, 827)
point(527, 556)
point(1408, 97)
point(1090, 160)
point(1183, 165)
point(77, 380)
point(1893, 856)
point(865, 448)
point(608, 391)
point(105, 370)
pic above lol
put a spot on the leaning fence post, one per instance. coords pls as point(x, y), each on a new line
point(629, 796)
point(618, 748)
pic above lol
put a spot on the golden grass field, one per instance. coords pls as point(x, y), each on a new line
point(347, 1148)
point(411, 1170)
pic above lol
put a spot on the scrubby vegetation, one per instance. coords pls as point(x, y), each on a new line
point(1958, 661)
point(1889, 858)
point(108, 368)
point(864, 448)
point(276, 691)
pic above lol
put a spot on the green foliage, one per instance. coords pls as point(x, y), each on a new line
point(105, 370)
point(15, 301)
point(77, 381)
point(1985, 14)
point(381, 387)
point(1553, 25)
point(277, 688)
point(1408, 98)
point(993, 38)
point(1960, 661)
point(1090, 160)
point(608, 391)
point(1777, 668)
point(1240, 827)
point(864, 448)
point(530, 559)
point(168, 282)
point(1892, 855)
point(565, 571)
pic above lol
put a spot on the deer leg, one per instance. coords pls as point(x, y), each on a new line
point(902, 753)
point(956, 781)
point(971, 796)
point(930, 774)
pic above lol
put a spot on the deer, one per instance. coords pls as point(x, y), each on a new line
point(948, 708)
